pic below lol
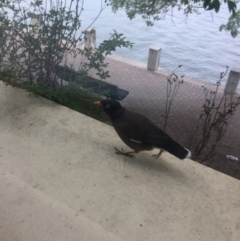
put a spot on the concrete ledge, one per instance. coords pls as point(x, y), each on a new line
point(36, 216)
point(61, 180)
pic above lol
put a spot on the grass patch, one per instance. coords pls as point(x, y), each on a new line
point(70, 96)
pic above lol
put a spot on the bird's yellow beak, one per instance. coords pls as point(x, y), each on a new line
point(98, 103)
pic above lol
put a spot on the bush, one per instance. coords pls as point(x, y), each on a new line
point(212, 122)
point(34, 50)
point(31, 52)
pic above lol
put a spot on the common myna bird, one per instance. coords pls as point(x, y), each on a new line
point(139, 133)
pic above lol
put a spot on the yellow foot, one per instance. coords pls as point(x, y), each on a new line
point(158, 155)
point(129, 153)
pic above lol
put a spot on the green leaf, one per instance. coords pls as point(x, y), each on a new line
point(217, 6)
point(206, 3)
point(232, 7)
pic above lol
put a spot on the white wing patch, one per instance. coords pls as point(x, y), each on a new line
point(139, 142)
point(189, 153)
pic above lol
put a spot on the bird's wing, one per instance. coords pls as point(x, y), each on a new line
point(140, 129)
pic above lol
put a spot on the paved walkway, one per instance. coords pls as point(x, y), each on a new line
point(147, 95)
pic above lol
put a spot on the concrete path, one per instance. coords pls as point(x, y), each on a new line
point(61, 180)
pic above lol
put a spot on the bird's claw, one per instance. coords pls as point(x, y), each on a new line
point(123, 153)
point(156, 156)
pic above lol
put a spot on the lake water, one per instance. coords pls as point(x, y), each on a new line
point(196, 43)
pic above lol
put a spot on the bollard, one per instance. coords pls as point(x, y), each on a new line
point(37, 20)
point(232, 82)
point(153, 58)
point(90, 38)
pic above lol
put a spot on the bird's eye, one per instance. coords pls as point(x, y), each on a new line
point(107, 106)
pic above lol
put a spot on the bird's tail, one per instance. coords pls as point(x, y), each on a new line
point(178, 151)
point(189, 155)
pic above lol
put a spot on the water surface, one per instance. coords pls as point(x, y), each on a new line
point(196, 42)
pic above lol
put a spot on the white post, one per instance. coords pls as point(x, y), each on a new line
point(90, 38)
point(37, 20)
point(153, 58)
point(232, 82)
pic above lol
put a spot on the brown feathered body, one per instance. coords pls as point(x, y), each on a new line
point(139, 133)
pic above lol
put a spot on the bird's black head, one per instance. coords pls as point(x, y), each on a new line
point(112, 107)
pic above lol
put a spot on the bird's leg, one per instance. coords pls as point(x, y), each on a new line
point(128, 153)
point(159, 154)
